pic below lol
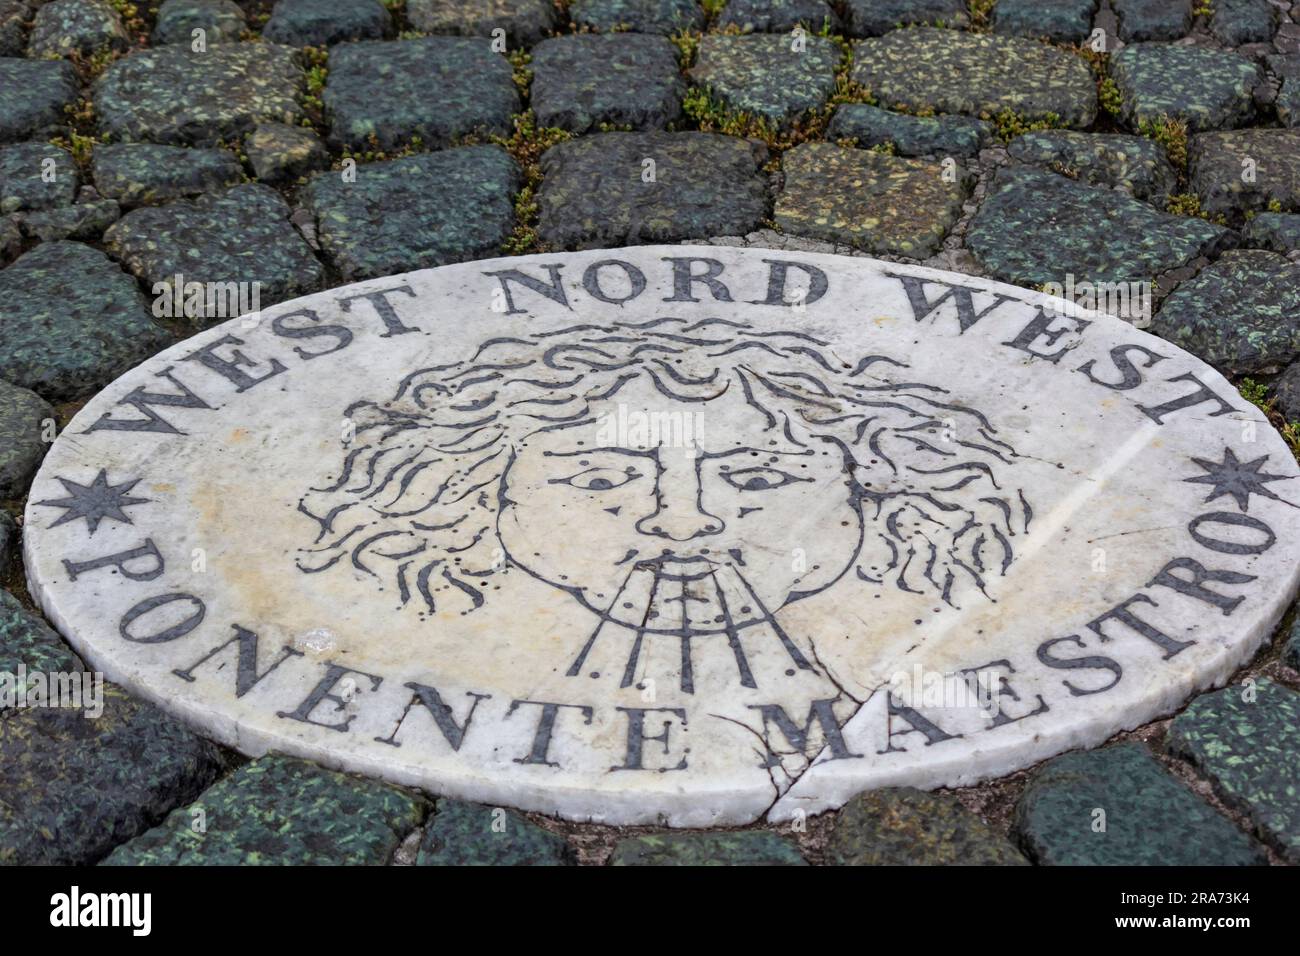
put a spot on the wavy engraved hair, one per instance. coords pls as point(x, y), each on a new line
point(416, 498)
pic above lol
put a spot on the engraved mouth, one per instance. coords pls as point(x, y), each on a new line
point(672, 567)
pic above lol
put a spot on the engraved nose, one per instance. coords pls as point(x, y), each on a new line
point(679, 518)
point(678, 515)
point(679, 525)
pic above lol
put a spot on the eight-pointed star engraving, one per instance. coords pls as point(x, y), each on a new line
point(95, 501)
point(1236, 478)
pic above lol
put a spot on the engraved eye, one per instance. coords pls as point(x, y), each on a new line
point(598, 479)
point(758, 479)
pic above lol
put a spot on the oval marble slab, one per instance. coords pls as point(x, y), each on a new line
point(684, 535)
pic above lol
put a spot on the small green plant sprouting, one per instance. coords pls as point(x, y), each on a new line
point(1171, 134)
point(1254, 392)
point(521, 70)
point(1112, 101)
point(1257, 394)
point(1009, 124)
point(981, 15)
point(1189, 204)
point(526, 143)
point(688, 45)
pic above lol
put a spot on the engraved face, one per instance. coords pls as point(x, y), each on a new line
point(706, 493)
point(675, 478)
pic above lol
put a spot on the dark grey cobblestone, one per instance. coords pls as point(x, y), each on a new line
point(470, 834)
point(171, 94)
point(1152, 19)
point(242, 234)
point(1274, 230)
point(906, 827)
point(74, 788)
point(953, 72)
point(23, 415)
point(869, 18)
point(778, 16)
point(1287, 38)
point(1291, 652)
point(84, 221)
point(1237, 313)
point(8, 538)
point(279, 152)
point(24, 183)
point(525, 21)
point(222, 21)
point(137, 173)
point(760, 74)
point(280, 811)
point(27, 641)
point(324, 22)
point(1218, 162)
point(1247, 741)
point(33, 94)
point(11, 239)
point(1036, 227)
point(1206, 89)
point(883, 204)
point(1286, 392)
point(1287, 104)
point(76, 26)
point(1136, 163)
point(1148, 818)
point(380, 92)
point(1065, 21)
point(638, 16)
point(739, 848)
point(583, 81)
point(910, 135)
point(704, 185)
point(415, 213)
point(14, 15)
point(73, 321)
point(1243, 21)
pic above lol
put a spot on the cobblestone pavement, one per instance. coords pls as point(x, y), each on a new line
point(1133, 141)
